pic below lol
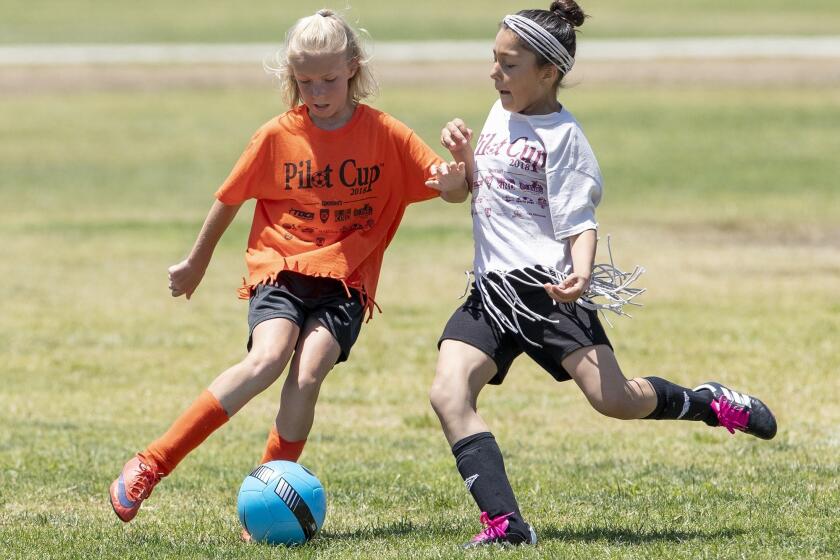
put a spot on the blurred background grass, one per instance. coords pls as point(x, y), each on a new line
point(121, 21)
point(727, 194)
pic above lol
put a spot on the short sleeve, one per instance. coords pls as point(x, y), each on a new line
point(573, 196)
point(253, 173)
point(418, 158)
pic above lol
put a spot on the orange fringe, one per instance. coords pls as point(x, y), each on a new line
point(247, 289)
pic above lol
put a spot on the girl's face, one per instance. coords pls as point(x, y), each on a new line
point(523, 86)
point(323, 81)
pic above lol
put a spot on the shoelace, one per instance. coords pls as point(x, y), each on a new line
point(142, 484)
point(495, 528)
point(732, 417)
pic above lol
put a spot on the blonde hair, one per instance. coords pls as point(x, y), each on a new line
point(325, 32)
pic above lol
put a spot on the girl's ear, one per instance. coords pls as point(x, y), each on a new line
point(549, 73)
point(354, 67)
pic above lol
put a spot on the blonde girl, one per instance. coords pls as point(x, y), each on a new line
point(331, 178)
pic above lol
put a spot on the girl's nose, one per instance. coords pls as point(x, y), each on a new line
point(494, 70)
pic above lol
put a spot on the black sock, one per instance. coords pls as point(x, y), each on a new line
point(679, 403)
point(482, 467)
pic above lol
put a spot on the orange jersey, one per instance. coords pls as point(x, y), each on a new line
point(328, 201)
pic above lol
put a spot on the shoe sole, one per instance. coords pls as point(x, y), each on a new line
point(532, 541)
point(113, 507)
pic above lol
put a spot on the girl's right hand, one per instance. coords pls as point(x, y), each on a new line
point(456, 137)
point(184, 278)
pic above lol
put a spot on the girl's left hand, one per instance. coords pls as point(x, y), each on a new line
point(568, 290)
point(448, 177)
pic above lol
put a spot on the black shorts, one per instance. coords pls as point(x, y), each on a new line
point(576, 327)
point(297, 297)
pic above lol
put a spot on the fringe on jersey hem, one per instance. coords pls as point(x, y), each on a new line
point(610, 285)
point(369, 304)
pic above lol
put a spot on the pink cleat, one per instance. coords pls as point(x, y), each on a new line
point(135, 484)
point(739, 411)
point(495, 532)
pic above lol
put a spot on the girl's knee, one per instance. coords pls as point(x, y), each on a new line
point(448, 390)
point(265, 364)
point(305, 385)
point(617, 405)
point(438, 395)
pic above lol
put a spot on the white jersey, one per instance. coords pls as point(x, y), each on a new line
point(536, 183)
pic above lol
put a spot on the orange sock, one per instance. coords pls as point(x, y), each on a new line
point(278, 449)
point(202, 418)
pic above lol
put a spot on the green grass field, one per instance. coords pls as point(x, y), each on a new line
point(728, 197)
point(88, 21)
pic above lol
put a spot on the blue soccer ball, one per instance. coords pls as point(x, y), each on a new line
point(281, 502)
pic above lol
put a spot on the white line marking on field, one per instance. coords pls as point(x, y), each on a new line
point(428, 51)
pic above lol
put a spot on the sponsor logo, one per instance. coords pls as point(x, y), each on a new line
point(325, 215)
point(535, 187)
point(363, 212)
point(308, 216)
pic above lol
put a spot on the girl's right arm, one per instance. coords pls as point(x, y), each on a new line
point(185, 276)
point(456, 137)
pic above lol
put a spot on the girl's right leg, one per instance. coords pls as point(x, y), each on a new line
point(273, 342)
point(462, 371)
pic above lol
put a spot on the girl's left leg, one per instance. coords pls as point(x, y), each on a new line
point(597, 373)
point(316, 354)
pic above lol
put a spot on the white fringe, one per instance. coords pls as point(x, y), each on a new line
point(610, 285)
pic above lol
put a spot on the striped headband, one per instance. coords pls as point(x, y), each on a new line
point(541, 41)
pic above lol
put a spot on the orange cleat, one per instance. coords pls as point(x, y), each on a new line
point(135, 484)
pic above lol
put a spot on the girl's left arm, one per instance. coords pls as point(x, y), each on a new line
point(583, 259)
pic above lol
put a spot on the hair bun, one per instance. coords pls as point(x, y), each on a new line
point(325, 12)
point(569, 11)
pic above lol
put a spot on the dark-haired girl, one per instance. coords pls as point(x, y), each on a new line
point(535, 187)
